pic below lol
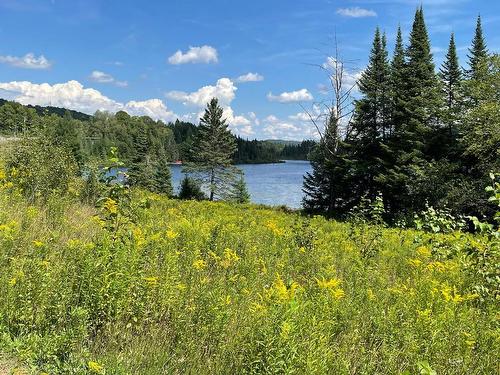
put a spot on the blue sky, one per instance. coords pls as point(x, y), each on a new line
point(167, 58)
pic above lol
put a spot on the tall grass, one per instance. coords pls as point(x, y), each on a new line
point(214, 288)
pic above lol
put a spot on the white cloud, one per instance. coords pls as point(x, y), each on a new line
point(250, 77)
point(154, 108)
point(28, 61)
point(302, 95)
point(224, 90)
point(101, 77)
point(203, 54)
point(356, 12)
point(73, 95)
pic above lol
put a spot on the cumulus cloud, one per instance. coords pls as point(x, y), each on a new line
point(302, 95)
point(356, 12)
point(195, 55)
point(224, 90)
point(101, 77)
point(250, 77)
point(73, 95)
point(28, 61)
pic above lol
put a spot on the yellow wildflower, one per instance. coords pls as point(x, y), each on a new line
point(111, 206)
point(171, 234)
point(38, 243)
point(2, 174)
point(285, 330)
point(151, 281)
point(281, 291)
point(436, 266)
point(371, 295)
point(274, 228)
point(424, 252)
point(302, 249)
point(424, 314)
point(199, 264)
point(328, 284)
point(95, 367)
point(415, 262)
point(230, 257)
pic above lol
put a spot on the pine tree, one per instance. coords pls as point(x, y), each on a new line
point(212, 152)
point(478, 54)
point(163, 177)
point(451, 77)
point(327, 189)
point(372, 118)
point(398, 82)
point(240, 192)
point(423, 100)
point(141, 171)
point(417, 104)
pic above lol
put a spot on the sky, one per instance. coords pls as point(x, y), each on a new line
point(263, 59)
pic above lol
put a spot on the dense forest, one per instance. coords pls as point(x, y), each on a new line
point(417, 137)
point(96, 134)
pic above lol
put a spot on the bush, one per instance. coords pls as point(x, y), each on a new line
point(39, 168)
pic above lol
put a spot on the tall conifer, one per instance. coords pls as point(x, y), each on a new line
point(212, 153)
point(451, 77)
point(478, 53)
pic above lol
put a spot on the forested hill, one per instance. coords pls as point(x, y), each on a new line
point(94, 135)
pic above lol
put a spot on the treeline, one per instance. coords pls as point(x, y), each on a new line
point(94, 135)
point(417, 137)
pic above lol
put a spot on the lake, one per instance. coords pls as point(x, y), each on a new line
point(270, 184)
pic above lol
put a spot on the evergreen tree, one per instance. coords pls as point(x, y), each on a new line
point(163, 177)
point(141, 171)
point(327, 189)
point(372, 119)
point(398, 83)
point(478, 54)
point(212, 152)
point(190, 189)
point(240, 192)
point(451, 77)
point(414, 143)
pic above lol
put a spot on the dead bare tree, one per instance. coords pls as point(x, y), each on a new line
point(333, 120)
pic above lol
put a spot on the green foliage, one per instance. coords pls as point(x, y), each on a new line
point(39, 168)
point(212, 153)
point(438, 221)
point(163, 178)
point(240, 192)
point(478, 53)
point(369, 211)
point(190, 189)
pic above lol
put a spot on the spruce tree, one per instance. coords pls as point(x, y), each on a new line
point(398, 83)
point(478, 54)
point(163, 177)
point(212, 153)
point(418, 102)
point(372, 118)
point(190, 189)
point(240, 192)
point(141, 171)
point(451, 77)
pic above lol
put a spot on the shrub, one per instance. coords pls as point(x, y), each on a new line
point(39, 168)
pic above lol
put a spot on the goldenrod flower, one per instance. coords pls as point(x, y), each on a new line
point(199, 264)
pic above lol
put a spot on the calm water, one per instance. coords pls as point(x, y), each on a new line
point(271, 184)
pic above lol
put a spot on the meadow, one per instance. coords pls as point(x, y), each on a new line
point(218, 288)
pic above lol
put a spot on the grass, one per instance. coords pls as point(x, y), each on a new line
point(215, 288)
